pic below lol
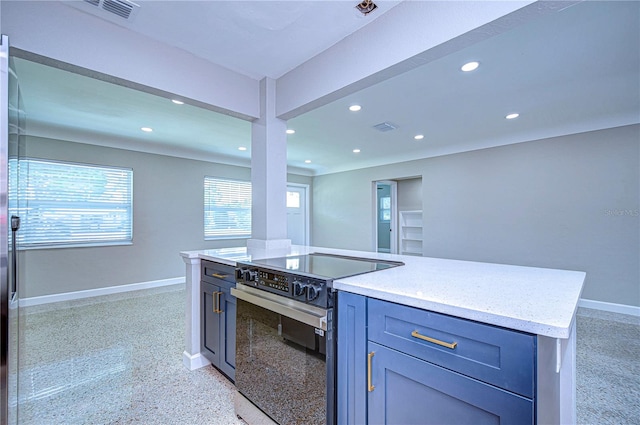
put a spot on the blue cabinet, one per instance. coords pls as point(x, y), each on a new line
point(351, 378)
point(420, 367)
point(218, 325)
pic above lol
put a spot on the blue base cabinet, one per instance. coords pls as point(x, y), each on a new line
point(351, 390)
point(402, 365)
point(218, 325)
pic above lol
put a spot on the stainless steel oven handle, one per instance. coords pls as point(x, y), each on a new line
point(317, 319)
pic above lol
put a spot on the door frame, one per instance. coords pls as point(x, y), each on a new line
point(306, 206)
point(394, 214)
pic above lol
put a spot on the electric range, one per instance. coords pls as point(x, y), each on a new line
point(285, 333)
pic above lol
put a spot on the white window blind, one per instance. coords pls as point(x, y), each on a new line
point(227, 208)
point(63, 204)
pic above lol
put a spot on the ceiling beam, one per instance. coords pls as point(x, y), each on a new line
point(409, 35)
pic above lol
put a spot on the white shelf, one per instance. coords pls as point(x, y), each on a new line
point(411, 232)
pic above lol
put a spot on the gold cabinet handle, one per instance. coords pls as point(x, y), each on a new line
point(369, 361)
point(219, 276)
point(450, 345)
point(217, 302)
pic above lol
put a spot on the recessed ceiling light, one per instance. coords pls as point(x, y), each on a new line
point(470, 66)
point(146, 129)
point(512, 116)
point(366, 6)
point(307, 161)
point(419, 136)
point(177, 102)
point(242, 148)
point(356, 151)
point(355, 108)
point(290, 131)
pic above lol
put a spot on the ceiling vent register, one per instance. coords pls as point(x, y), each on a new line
point(123, 8)
point(385, 126)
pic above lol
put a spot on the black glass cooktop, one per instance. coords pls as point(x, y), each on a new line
point(329, 266)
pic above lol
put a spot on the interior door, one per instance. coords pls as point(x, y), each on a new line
point(385, 233)
point(297, 214)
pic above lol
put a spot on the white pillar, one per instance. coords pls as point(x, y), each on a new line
point(192, 357)
point(268, 174)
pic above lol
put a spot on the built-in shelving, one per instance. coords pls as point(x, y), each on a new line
point(411, 232)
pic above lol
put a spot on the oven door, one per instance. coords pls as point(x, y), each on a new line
point(285, 357)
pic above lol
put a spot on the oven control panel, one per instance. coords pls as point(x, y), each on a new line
point(300, 288)
point(276, 281)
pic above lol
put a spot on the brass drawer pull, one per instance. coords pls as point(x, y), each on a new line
point(450, 345)
point(369, 361)
point(220, 276)
point(216, 302)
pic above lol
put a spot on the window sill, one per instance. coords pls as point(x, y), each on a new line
point(77, 245)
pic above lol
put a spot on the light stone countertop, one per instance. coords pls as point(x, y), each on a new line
point(535, 300)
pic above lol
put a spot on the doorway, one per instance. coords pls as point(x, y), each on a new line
point(385, 210)
point(298, 214)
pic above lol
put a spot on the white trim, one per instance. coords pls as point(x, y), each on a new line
point(67, 296)
point(193, 362)
point(612, 307)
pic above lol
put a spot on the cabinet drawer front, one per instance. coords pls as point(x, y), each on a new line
point(491, 354)
point(215, 272)
point(407, 390)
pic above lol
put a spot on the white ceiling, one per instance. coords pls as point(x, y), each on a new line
point(256, 38)
point(572, 71)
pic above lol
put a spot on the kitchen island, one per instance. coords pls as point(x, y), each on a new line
point(535, 301)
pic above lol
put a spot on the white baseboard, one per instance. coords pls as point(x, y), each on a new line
point(67, 296)
point(195, 361)
point(611, 307)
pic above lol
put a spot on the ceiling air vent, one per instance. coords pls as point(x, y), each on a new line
point(385, 126)
point(123, 8)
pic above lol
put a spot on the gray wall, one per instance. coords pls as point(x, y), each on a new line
point(343, 206)
point(569, 202)
point(410, 194)
point(168, 218)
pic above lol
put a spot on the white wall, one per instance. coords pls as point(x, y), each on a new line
point(569, 202)
point(168, 218)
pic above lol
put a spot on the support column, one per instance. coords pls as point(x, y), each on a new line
point(191, 357)
point(268, 174)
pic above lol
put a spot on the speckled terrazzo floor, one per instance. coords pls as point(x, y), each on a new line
point(608, 365)
point(117, 359)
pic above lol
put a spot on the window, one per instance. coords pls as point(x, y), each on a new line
point(293, 199)
point(227, 208)
point(63, 204)
point(385, 209)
